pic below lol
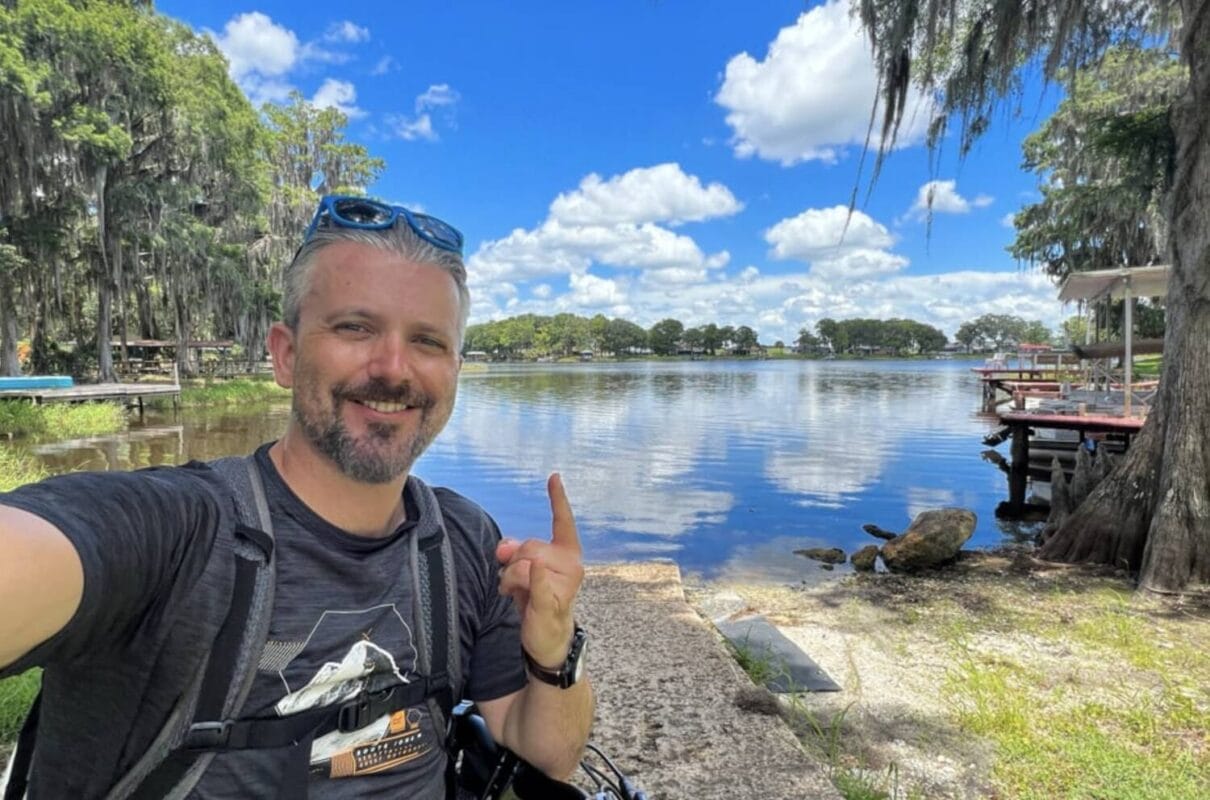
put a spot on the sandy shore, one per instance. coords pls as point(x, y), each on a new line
point(997, 677)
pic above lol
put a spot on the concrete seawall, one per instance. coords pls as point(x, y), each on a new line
point(666, 686)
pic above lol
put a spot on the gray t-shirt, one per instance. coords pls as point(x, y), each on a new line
point(342, 622)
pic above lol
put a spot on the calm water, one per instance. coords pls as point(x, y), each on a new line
point(725, 468)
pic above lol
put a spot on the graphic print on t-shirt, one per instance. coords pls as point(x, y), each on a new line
point(345, 654)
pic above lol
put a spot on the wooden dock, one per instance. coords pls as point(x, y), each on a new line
point(130, 393)
point(1001, 385)
point(1023, 423)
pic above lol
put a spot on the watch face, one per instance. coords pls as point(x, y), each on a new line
point(577, 670)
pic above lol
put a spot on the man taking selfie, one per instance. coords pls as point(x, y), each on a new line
point(298, 623)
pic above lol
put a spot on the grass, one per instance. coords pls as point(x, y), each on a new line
point(237, 391)
point(1023, 682)
point(1133, 723)
point(16, 695)
point(762, 666)
point(60, 420)
point(824, 738)
point(1147, 367)
point(18, 469)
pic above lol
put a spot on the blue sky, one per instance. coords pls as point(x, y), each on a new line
point(649, 159)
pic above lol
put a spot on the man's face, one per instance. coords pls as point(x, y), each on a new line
point(374, 362)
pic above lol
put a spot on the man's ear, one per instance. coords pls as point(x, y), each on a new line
point(281, 347)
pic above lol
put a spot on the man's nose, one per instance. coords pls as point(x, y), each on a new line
point(391, 360)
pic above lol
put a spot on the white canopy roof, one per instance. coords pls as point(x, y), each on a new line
point(1143, 282)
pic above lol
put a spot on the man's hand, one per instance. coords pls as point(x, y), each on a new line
point(543, 579)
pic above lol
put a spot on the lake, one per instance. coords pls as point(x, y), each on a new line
point(724, 467)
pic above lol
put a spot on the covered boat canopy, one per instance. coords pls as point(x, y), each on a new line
point(1115, 283)
point(1123, 283)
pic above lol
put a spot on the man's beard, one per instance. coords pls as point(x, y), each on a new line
point(372, 458)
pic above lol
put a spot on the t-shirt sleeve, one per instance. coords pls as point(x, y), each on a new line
point(136, 533)
point(489, 624)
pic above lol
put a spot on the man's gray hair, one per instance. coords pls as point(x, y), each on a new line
point(399, 239)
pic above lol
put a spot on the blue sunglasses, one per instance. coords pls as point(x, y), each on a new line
point(347, 211)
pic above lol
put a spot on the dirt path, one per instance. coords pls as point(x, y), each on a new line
point(666, 698)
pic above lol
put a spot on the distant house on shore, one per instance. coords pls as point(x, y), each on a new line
point(476, 355)
point(586, 355)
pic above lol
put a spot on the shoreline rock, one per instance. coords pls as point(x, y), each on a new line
point(863, 560)
point(934, 538)
point(881, 533)
point(828, 555)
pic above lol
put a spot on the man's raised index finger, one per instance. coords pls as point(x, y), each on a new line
point(563, 522)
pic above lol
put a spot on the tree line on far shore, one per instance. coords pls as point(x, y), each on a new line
point(530, 336)
point(563, 335)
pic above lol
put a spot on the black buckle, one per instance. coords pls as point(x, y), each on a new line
point(363, 709)
point(207, 735)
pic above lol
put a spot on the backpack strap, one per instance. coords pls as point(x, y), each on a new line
point(214, 727)
point(435, 576)
point(440, 650)
point(166, 770)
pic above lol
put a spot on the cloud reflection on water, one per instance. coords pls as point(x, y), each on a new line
point(665, 450)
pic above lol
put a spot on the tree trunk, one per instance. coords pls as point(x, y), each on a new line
point(1153, 512)
point(105, 282)
point(183, 334)
point(105, 372)
point(9, 365)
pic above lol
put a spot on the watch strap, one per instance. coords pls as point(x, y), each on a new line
point(566, 675)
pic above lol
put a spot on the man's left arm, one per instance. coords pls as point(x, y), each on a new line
point(546, 725)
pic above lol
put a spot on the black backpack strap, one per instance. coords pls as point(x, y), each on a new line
point(23, 756)
point(231, 665)
point(270, 732)
point(433, 561)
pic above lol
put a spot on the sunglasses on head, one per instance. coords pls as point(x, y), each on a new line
point(347, 211)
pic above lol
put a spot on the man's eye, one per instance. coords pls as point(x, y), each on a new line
point(351, 327)
point(429, 341)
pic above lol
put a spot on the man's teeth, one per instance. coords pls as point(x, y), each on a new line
point(384, 408)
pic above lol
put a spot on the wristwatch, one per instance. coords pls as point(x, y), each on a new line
point(573, 667)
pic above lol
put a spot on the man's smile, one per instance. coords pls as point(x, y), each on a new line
point(383, 407)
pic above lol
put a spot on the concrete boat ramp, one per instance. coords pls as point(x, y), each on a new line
point(666, 697)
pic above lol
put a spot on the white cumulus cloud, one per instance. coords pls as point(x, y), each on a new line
point(812, 94)
point(612, 222)
point(384, 65)
point(437, 95)
point(340, 95)
point(254, 43)
point(592, 292)
point(942, 197)
point(663, 193)
point(347, 32)
point(261, 55)
point(412, 129)
point(836, 243)
point(822, 232)
point(421, 126)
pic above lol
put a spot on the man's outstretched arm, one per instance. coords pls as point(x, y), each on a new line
point(41, 582)
point(544, 724)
